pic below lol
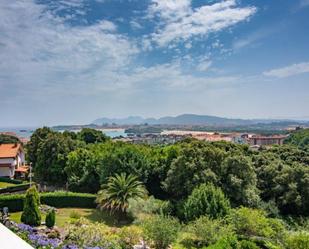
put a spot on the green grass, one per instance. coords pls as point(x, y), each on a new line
point(64, 216)
point(6, 184)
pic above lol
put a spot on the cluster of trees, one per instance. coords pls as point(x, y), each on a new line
point(276, 178)
point(8, 139)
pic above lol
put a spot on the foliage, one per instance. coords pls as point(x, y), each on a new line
point(206, 200)
point(57, 199)
point(31, 214)
point(150, 205)
point(8, 139)
point(83, 171)
point(9, 180)
point(299, 138)
point(298, 240)
point(251, 223)
point(160, 230)
point(50, 218)
point(205, 231)
point(91, 136)
point(119, 189)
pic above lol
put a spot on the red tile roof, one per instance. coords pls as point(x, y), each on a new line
point(9, 150)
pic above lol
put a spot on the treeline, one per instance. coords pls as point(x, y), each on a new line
point(274, 179)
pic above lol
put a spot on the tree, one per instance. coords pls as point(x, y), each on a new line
point(52, 157)
point(238, 181)
point(31, 214)
point(50, 218)
point(119, 189)
point(8, 139)
point(160, 230)
point(83, 171)
point(91, 136)
point(206, 200)
point(197, 163)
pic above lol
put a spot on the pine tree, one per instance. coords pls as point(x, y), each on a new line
point(31, 214)
point(50, 218)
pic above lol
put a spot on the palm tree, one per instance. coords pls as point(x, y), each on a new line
point(119, 189)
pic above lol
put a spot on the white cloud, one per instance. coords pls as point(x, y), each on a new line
point(39, 52)
point(288, 71)
point(180, 22)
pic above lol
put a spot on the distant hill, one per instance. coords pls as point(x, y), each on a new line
point(189, 119)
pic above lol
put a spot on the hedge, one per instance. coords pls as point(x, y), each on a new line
point(18, 187)
point(56, 199)
point(9, 180)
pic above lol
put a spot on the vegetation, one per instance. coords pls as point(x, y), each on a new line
point(8, 139)
point(116, 194)
point(161, 231)
point(31, 214)
point(200, 194)
point(50, 219)
point(206, 200)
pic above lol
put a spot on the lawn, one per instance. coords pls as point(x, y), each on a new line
point(6, 184)
point(65, 215)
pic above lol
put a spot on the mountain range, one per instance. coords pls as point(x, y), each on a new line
point(191, 119)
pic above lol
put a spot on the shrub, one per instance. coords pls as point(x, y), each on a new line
point(206, 200)
point(130, 236)
point(149, 206)
point(204, 232)
point(31, 214)
point(160, 230)
point(298, 240)
point(68, 199)
point(56, 199)
point(246, 244)
point(225, 243)
point(14, 202)
point(9, 180)
point(254, 223)
point(50, 218)
point(18, 187)
point(74, 215)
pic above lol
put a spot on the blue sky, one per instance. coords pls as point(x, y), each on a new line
point(72, 61)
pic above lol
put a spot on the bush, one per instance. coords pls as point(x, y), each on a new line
point(62, 199)
point(246, 244)
point(149, 206)
point(205, 232)
point(226, 243)
point(9, 180)
point(14, 202)
point(55, 199)
point(160, 230)
point(298, 240)
point(254, 223)
point(50, 218)
point(31, 214)
point(19, 187)
point(206, 200)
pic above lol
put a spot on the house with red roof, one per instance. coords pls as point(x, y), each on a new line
point(12, 160)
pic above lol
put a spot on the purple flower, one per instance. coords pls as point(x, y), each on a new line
point(70, 247)
point(25, 228)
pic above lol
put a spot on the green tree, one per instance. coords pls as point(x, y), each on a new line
point(238, 181)
point(52, 157)
point(50, 218)
point(160, 230)
point(82, 169)
point(31, 214)
point(119, 189)
point(206, 200)
point(38, 136)
point(91, 136)
point(8, 139)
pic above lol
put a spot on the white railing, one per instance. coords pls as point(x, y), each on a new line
point(9, 240)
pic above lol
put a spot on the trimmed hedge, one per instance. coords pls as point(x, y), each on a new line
point(68, 199)
point(55, 199)
point(16, 188)
point(8, 180)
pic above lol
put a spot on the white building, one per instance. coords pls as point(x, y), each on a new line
point(12, 159)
